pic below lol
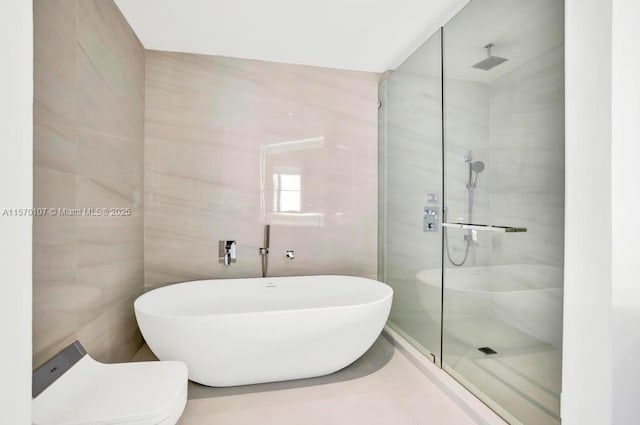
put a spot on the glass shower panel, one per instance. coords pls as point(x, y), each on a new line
point(411, 194)
point(504, 171)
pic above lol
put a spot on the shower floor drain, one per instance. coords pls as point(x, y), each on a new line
point(488, 350)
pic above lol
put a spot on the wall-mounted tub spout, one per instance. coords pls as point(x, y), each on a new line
point(226, 252)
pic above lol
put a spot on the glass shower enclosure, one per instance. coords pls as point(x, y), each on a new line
point(472, 202)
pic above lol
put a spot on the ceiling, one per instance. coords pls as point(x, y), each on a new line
point(362, 35)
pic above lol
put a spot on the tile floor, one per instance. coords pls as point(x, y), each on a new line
point(382, 387)
point(524, 377)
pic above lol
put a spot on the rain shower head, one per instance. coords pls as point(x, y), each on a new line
point(490, 62)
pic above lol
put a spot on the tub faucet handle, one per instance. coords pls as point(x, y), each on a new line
point(226, 252)
point(290, 254)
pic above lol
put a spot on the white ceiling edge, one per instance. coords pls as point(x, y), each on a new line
point(420, 38)
point(356, 35)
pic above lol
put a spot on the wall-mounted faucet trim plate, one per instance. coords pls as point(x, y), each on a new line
point(430, 220)
point(226, 252)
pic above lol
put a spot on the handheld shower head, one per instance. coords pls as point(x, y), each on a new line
point(475, 168)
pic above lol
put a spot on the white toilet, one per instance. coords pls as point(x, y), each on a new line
point(94, 393)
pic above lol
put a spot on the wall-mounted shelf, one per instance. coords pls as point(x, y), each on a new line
point(486, 227)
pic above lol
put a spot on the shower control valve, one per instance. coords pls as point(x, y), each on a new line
point(290, 254)
point(430, 219)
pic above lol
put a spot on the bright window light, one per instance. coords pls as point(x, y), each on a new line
point(287, 193)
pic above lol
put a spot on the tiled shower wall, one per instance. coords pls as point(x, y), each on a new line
point(232, 145)
point(520, 137)
point(88, 153)
point(527, 158)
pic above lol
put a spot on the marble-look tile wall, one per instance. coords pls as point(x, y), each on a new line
point(467, 130)
point(527, 161)
point(515, 125)
point(88, 153)
point(527, 188)
point(232, 145)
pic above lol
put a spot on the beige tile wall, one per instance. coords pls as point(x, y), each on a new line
point(216, 132)
point(88, 152)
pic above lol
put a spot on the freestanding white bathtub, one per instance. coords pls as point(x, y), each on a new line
point(248, 331)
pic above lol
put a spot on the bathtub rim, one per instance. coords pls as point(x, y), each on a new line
point(388, 296)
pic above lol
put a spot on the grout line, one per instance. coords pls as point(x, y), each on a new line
point(109, 90)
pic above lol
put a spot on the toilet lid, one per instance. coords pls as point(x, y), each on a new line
point(93, 393)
